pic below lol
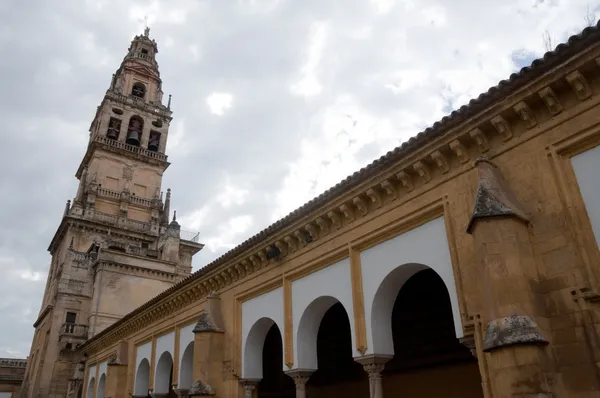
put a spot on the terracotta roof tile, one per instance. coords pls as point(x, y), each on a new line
point(576, 43)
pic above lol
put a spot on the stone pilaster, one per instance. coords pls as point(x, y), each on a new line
point(249, 387)
point(300, 378)
point(507, 271)
point(374, 365)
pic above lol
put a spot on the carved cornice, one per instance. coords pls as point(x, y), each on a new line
point(499, 126)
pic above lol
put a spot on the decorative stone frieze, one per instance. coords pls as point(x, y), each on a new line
point(502, 127)
point(460, 151)
point(480, 139)
point(580, 85)
point(312, 230)
point(422, 170)
point(405, 179)
point(551, 100)
point(389, 189)
point(348, 212)
point(525, 114)
point(335, 218)
point(323, 225)
point(360, 205)
point(375, 197)
point(440, 161)
point(291, 243)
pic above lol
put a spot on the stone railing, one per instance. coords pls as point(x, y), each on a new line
point(140, 226)
point(189, 236)
point(130, 148)
point(73, 330)
point(13, 363)
point(138, 200)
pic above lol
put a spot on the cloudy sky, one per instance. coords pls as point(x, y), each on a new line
point(274, 101)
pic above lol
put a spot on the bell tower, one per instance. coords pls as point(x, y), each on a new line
point(116, 246)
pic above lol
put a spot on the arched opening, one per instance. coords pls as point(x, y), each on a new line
point(164, 375)
point(101, 382)
point(134, 130)
point(142, 378)
point(428, 358)
point(337, 374)
point(274, 383)
point(187, 367)
point(253, 349)
point(90, 389)
point(138, 90)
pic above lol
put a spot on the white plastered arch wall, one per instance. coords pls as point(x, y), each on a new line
point(186, 358)
point(91, 380)
point(142, 379)
point(312, 296)
point(164, 354)
point(385, 268)
point(259, 314)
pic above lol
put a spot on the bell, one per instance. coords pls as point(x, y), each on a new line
point(153, 146)
point(112, 134)
point(133, 138)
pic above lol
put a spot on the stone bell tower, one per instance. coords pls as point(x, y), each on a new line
point(116, 246)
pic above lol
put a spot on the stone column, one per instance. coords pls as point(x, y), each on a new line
point(249, 387)
point(373, 365)
point(507, 270)
point(300, 378)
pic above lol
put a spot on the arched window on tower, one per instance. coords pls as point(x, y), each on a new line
point(134, 131)
point(114, 128)
point(138, 90)
point(154, 141)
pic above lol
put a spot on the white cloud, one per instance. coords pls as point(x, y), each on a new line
point(219, 102)
point(309, 83)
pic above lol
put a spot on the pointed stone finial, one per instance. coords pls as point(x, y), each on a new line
point(169, 103)
point(67, 208)
point(494, 198)
point(167, 208)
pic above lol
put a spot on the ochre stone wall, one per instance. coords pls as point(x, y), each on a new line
point(546, 267)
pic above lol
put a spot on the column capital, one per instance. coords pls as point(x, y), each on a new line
point(374, 365)
point(373, 361)
point(249, 386)
point(300, 377)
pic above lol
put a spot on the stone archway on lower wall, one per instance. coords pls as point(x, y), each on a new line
point(308, 330)
point(253, 350)
point(187, 367)
point(142, 378)
point(90, 389)
point(101, 385)
point(162, 377)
